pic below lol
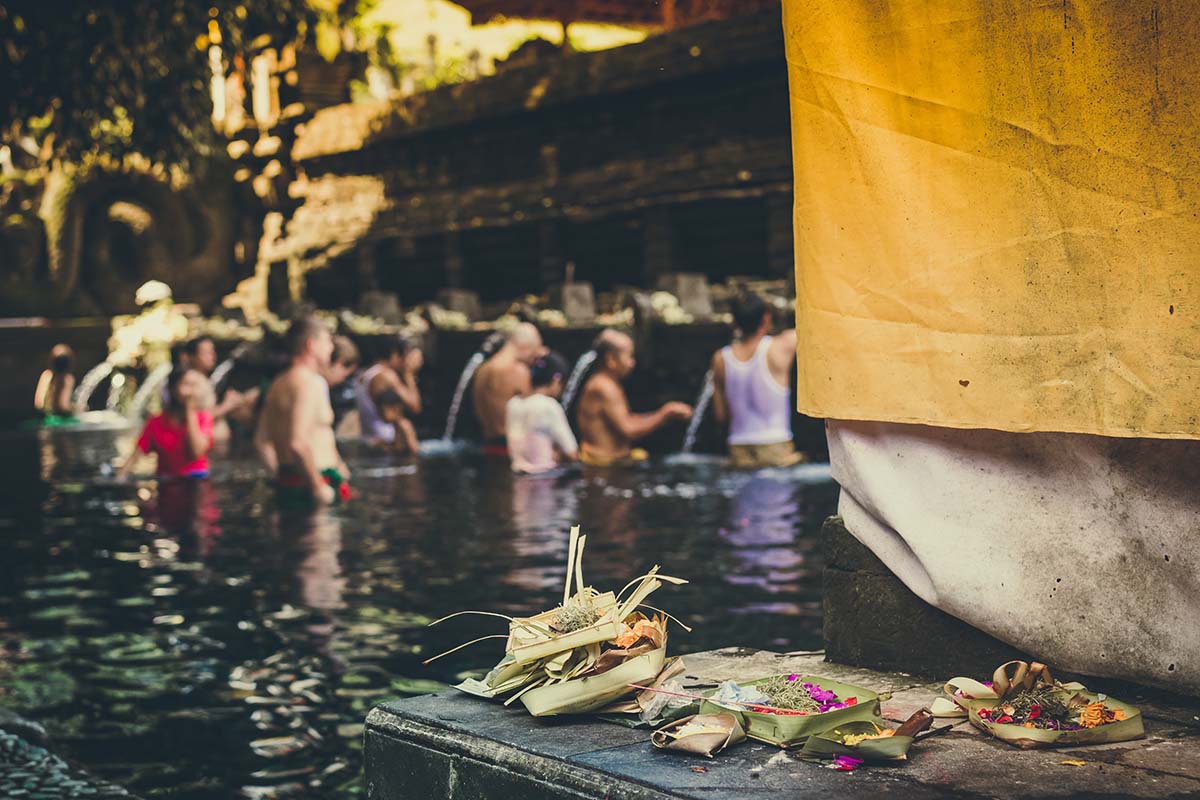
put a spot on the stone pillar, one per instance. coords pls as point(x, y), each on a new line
point(658, 244)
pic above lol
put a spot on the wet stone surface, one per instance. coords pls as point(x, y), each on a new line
point(30, 772)
point(454, 746)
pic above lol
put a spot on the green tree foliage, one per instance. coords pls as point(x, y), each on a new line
point(117, 77)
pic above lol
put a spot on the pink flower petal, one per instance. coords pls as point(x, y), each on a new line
point(847, 763)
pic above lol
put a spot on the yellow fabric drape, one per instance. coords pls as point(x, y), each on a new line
point(998, 213)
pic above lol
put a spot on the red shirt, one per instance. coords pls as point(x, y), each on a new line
point(162, 435)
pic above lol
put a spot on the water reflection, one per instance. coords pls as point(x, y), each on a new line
point(188, 640)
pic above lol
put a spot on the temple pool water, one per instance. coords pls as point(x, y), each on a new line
point(194, 642)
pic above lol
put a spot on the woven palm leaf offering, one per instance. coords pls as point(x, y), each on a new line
point(1024, 706)
point(785, 710)
point(851, 744)
point(583, 654)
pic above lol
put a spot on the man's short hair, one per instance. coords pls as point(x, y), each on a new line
point(193, 345)
point(607, 343)
point(388, 398)
point(547, 368)
point(345, 351)
point(301, 332)
point(748, 312)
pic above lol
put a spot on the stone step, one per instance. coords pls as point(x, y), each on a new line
point(455, 746)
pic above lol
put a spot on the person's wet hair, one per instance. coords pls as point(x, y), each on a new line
point(193, 345)
point(547, 368)
point(178, 351)
point(607, 343)
point(389, 399)
point(748, 312)
point(388, 346)
point(301, 332)
point(175, 377)
point(61, 359)
point(345, 351)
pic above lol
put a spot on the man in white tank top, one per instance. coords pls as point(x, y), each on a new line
point(751, 392)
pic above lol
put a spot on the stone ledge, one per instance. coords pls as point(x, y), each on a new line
point(455, 746)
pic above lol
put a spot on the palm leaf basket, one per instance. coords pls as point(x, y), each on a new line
point(582, 655)
point(967, 697)
point(832, 743)
point(785, 730)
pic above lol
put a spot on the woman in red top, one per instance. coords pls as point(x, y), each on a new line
point(182, 435)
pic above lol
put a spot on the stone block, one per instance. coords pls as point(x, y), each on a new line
point(874, 620)
point(456, 747)
point(577, 301)
point(692, 291)
point(384, 305)
point(464, 301)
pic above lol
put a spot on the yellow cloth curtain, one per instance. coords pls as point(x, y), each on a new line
point(997, 213)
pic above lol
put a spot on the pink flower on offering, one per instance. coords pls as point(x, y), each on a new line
point(847, 763)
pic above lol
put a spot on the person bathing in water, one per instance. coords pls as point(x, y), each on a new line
point(501, 378)
point(750, 389)
point(295, 438)
point(52, 397)
point(392, 409)
point(539, 436)
point(182, 434)
point(606, 425)
point(395, 373)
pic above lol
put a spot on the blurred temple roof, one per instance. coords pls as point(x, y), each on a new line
point(645, 13)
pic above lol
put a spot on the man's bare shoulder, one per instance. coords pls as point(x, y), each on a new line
point(783, 345)
point(602, 385)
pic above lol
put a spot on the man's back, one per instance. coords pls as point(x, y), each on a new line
point(499, 379)
point(596, 400)
point(780, 354)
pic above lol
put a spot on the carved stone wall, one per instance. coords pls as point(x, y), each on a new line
point(672, 154)
point(82, 242)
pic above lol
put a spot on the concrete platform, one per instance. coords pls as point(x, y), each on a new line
point(454, 746)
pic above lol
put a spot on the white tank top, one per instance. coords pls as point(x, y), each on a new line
point(373, 426)
point(759, 411)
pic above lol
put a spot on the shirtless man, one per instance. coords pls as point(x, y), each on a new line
point(751, 392)
point(295, 438)
point(606, 425)
point(501, 378)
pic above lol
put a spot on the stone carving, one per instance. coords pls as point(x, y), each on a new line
point(81, 242)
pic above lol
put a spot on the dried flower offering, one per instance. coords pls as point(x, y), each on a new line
point(786, 710)
point(789, 694)
point(584, 653)
point(1024, 706)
